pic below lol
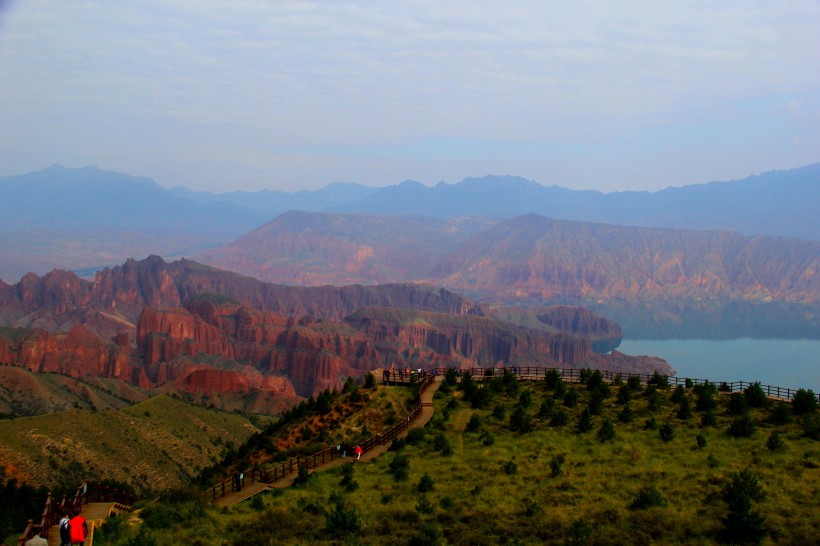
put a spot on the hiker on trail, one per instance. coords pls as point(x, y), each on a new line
point(358, 452)
point(65, 530)
point(237, 484)
point(344, 450)
point(78, 529)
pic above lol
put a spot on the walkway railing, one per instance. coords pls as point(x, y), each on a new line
point(86, 492)
point(292, 465)
point(574, 375)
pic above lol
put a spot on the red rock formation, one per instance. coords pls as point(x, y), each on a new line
point(579, 321)
point(77, 353)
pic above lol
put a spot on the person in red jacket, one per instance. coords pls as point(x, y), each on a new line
point(79, 529)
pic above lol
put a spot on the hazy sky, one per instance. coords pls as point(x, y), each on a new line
point(246, 94)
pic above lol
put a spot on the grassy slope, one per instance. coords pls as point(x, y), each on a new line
point(160, 442)
point(25, 393)
point(476, 502)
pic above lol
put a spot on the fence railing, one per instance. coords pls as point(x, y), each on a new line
point(278, 471)
point(574, 375)
point(86, 492)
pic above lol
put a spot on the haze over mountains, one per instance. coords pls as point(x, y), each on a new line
point(774, 203)
point(85, 218)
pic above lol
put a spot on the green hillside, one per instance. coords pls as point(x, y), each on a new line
point(515, 464)
point(157, 444)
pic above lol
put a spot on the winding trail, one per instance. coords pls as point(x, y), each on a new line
point(249, 490)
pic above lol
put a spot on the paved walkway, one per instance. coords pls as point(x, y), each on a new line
point(252, 489)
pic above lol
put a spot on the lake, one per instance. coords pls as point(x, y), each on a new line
point(792, 363)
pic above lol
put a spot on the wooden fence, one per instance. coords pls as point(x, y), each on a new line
point(278, 471)
point(574, 375)
point(86, 492)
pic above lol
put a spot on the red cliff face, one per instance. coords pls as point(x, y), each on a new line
point(468, 340)
point(579, 321)
point(77, 354)
point(313, 356)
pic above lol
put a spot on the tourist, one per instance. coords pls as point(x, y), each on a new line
point(237, 484)
point(358, 452)
point(65, 530)
point(78, 529)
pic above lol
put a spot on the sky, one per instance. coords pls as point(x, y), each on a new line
point(258, 94)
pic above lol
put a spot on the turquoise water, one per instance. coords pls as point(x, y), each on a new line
point(791, 363)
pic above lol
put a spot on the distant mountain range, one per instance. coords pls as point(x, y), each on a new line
point(529, 258)
point(87, 218)
point(785, 203)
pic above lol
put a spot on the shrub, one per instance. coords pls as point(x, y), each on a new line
point(780, 414)
point(775, 442)
point(556, 464)
point(400, 467)
point(742, 525)
point(738, 404)
point(486, 438)
point(627, 414)
point(584, 374)
point(545, 411)
point(660, 381)
point(596, 402)
point(667, 432)
point(369, 380)
point(684, 409)
point(742, 427)
point(653, 401)
point(709, 419)
point(415, 436)
point(525, 399)
point(342, 520)
point(810, 423)
point(678, 394)
point(804, 401)
point(349, 384)
point(650, 424)
point(647, 497)
point(552, 378)
point(606, 432)
point(559, 418)
point(347, 482)
point(424, 506)
point(520, 420)
point(482, 397)
point(724, 387)
point(755, 396)
point(425, 484)
point(302, 476)
point(571, 398)
point(595, 380)
point(560, 388)
point(397, 444)
point(510, 467)
point(474, 424)
point(585, 421)
point(701, 441)
point(442, 444)
point(451, 377)
point(624, 395)
point(705, 397)
point(634, 383)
